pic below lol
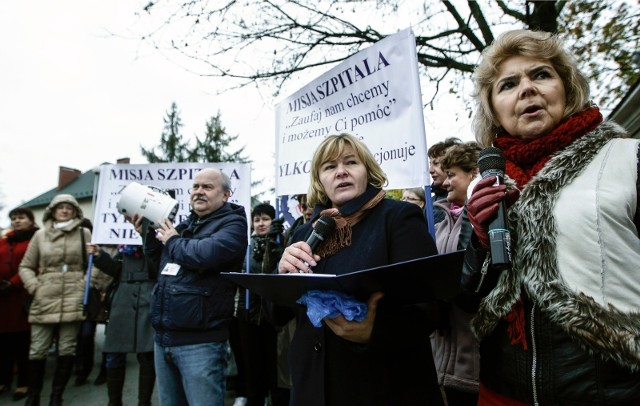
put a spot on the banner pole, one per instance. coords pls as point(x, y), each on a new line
point(429, 211)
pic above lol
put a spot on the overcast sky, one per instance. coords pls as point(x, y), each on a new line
point(73, 95)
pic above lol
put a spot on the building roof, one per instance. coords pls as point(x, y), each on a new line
point(81, 188)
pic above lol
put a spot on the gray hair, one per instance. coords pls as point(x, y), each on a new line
point(226, 182)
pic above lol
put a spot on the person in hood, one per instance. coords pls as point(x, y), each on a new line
point(53, 272)
point(192, 304)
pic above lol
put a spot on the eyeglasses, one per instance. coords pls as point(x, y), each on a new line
point(411, 199)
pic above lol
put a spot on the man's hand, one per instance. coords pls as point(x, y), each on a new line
point(165, 231)
point(357, 332)
point(136, 220)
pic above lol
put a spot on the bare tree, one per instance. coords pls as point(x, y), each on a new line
point(270, 42)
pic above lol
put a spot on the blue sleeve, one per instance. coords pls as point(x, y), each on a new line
point(214, 251)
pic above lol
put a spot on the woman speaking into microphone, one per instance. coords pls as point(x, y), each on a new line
point(386, 358)
point(562, 325)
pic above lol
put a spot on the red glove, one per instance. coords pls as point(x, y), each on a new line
point(482, 206)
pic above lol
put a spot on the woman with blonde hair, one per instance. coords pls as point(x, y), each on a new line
point(562, 325)
point(386, 358)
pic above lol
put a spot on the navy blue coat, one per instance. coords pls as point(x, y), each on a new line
point(196, 305)
point(396, 367)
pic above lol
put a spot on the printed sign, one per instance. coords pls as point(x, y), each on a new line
point(374, 95)
point(110, 227)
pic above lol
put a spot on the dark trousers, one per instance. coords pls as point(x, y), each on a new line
point(256, 360)
point(119, 359)
point(14, 350)
point(85, 348)
point(456, 397)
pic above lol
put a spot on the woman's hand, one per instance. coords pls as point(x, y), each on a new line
point(483, 205)
point(93, 249)
point(297, 258)
point(357, 332)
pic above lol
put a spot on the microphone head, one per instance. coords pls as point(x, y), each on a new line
point(491, 162)
point(325, 226)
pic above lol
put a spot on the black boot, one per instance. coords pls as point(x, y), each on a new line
point(36, 376)
point(64, 367)
point(115, 383)
point(146, 381)
point(102, 376)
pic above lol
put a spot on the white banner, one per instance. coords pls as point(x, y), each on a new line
point(110, 227)
point(374, 95)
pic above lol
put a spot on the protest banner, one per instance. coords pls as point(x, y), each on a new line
point(110, 227)
point(374, 95)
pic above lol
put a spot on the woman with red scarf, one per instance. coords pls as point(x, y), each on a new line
point(14, 326)
point(562, 325)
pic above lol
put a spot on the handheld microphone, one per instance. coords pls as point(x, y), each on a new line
point(323, 228)
point(491, 162)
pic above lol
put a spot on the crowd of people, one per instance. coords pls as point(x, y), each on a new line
point(558, 324)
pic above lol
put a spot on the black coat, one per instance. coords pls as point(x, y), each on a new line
point(265, 255)
point(396, 367)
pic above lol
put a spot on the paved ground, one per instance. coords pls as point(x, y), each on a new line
point(89, 394)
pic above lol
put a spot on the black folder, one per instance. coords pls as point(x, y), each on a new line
point(415, 281)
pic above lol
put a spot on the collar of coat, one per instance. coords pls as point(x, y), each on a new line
point(56, 233)
point(606, 331)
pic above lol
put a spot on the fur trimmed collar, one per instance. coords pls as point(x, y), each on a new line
point(613, 334)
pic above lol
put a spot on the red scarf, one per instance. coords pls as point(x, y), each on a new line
point(524, 159)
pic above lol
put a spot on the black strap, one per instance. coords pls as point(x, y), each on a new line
point(150, 266)
point(85, 264)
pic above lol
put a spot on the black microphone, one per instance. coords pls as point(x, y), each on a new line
point(323, 228)
point(491, 162)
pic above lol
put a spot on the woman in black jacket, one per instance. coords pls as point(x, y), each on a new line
point(253, 337)
point(385, 359)
point(129, 329)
